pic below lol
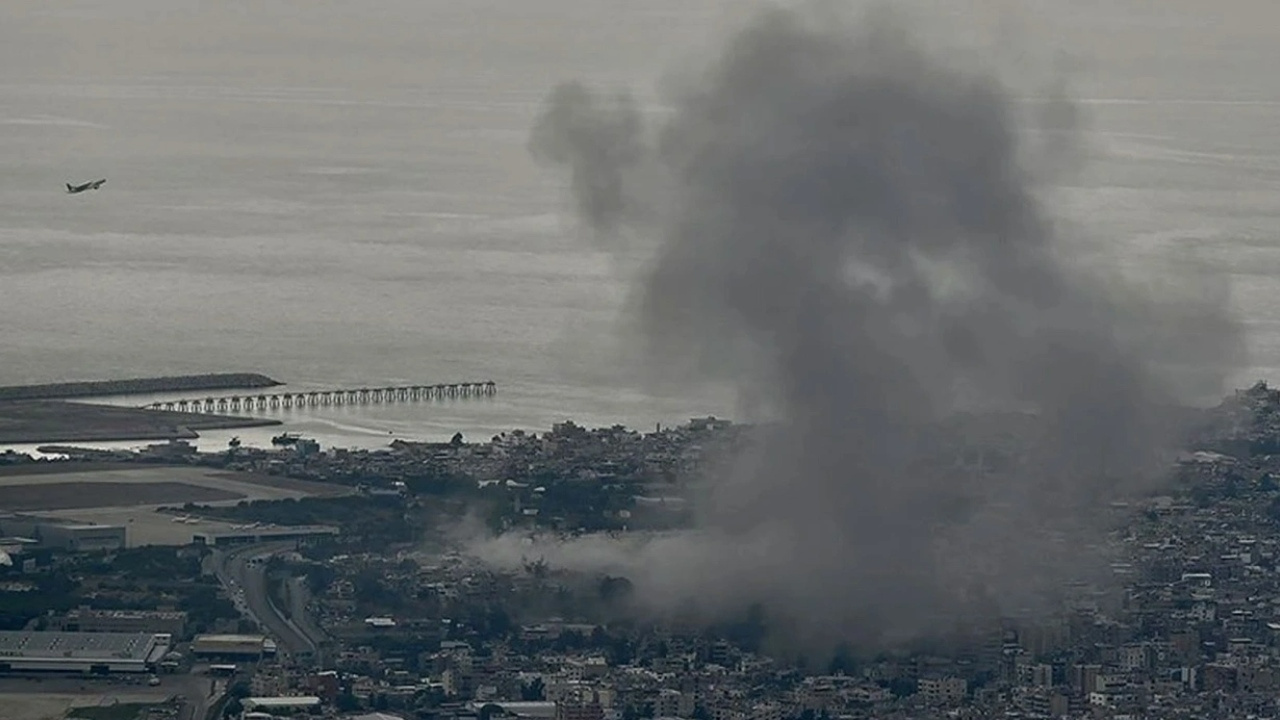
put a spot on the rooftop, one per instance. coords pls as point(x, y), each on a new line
point(248, 639)
point(163, 614)
point(19, 643)
point(526, 708)
point(287, 530)
point(281, 702)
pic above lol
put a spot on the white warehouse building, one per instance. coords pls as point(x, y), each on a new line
point(76, 652)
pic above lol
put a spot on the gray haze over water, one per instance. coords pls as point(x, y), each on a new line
point(340, 194)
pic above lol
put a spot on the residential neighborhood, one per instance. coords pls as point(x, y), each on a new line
point(390, 615)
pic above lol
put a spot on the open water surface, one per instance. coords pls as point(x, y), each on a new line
point(338, 194)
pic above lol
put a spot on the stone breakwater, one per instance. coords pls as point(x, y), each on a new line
point(48, 421)
point(138, 386)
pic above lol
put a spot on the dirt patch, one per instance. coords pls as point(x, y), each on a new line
point(74, 495)
point(55, 467)
point(141, 470)
point(38, 704)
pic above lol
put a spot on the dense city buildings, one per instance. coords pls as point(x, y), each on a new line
point(385, 613)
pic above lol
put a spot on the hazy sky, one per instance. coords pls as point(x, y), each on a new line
point(1162, 45)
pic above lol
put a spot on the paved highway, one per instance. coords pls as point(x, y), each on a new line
point(242, 571)
point(298, 596)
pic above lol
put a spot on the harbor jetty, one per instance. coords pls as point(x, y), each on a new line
point(137, 386)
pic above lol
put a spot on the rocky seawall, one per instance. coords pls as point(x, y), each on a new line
point(137, 386)
point(49, 421)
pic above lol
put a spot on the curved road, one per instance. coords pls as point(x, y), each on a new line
point(246, 582)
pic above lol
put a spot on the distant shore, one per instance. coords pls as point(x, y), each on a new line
point(137, 386)
point(53, 421)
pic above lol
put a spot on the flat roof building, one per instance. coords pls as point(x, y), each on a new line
point(61, 533)
point(76, 652)
point(233, 646)
point(263, 534)
point(277, 704)
point(79, 537)
point(84, 619)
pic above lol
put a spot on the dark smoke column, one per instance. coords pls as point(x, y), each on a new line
point(846, 231)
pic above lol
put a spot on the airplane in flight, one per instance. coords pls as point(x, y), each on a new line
point(73, 189)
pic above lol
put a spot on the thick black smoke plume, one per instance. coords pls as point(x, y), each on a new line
point(847, 229)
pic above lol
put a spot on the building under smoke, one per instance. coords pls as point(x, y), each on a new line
point(845, 225)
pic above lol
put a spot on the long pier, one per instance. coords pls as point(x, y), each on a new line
point(328, 398)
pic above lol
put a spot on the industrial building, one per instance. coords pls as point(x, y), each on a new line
point(233, 647)
point(173, 622)
point(279, 705)
point(81, 537)
point(63, 534)
point(264, 534)
point(73, 652)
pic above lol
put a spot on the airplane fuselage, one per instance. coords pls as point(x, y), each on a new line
point(73, 189)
